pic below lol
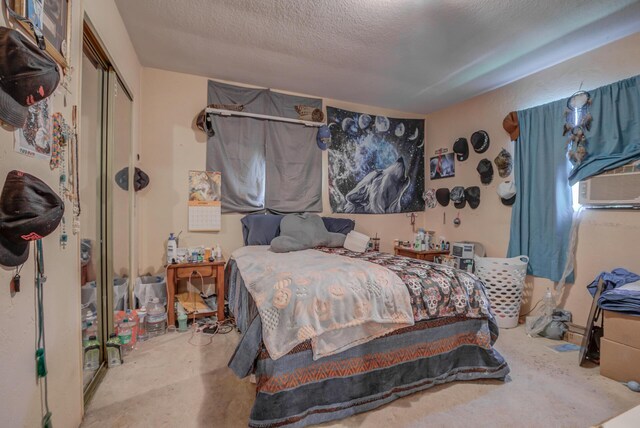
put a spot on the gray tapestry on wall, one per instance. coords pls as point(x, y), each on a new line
point(376, 163)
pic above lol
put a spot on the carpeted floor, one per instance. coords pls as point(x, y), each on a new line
point(168, 382)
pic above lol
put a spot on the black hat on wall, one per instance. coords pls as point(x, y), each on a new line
point(507, 192)
point(480, 141)
point(485, 169)
point(140, 179)
point(472, 195)
point(443, 196)
point(29, 210)
point(461, 149)
point(457, 197)
point(27, 75)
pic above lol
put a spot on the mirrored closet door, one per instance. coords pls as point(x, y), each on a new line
point(106, 204)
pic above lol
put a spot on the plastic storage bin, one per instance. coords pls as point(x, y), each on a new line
point(149, 287)
point(504, 281)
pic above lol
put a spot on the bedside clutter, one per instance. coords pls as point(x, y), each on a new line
point(620, 347)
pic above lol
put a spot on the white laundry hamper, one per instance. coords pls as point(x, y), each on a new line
point(504, 282)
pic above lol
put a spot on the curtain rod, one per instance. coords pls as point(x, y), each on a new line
point(262, 116)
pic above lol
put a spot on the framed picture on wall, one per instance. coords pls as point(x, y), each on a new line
point(442, 166)
point(52, 17)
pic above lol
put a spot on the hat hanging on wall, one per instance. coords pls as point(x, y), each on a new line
point(29, 210)
point(510, 124)
point(461, 149)
point(443, 196)
point(485, 169)
point(457, 197)
point(507, 192)
point(140, 179)
point(430, 198)
point(480, 141)
point(27, 75)
point(504, 163)
point(472, 195)
point(205, 123)
point(323, 138)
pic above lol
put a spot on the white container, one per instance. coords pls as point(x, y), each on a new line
point(156, 318)
point(142, 324)
point(172, 249)
point(504, 282)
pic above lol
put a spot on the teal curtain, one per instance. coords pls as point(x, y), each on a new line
point(542, 214)
point(614, 138)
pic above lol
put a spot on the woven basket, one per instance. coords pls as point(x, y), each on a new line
point(504, 281)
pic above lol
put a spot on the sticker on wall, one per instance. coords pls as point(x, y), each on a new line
point(376, 163)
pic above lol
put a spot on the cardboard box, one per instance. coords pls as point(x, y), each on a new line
point(619, 362)
point(624, 329)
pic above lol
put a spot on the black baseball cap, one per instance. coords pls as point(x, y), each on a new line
point(485, 169)
point(507, 192)
point(461, 149)
point(442, 196)
point(472, 195)
point(457, 197)
point(29, 210)
point(480, 141)
point(27, 75)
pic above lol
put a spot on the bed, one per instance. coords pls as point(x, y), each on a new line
point(451, 339)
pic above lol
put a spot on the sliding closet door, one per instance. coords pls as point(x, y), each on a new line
point(90, 166)
point(119, 193)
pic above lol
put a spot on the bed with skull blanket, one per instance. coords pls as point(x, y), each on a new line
point(451, 340)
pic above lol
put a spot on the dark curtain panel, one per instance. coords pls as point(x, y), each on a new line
point(293, 160)
point(237, 148)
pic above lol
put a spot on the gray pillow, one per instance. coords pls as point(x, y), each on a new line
point(303, 231)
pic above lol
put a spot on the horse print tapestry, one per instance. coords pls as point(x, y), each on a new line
point(376, 163)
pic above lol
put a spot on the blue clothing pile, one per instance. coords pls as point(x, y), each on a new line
point(620, 291)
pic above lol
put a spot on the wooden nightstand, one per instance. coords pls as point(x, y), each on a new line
point(420, 255)
point(178, 271)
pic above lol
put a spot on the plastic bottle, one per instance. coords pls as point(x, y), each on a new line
point(89, 327)
point(132, 316)
point(549, 303)
point(125, 332)
point(142, 326)
point(218, 252)
point(114, 351)
point(92, 354)
point(172, 249)
point(156, 318)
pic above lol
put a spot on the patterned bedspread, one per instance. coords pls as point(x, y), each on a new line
point(436, 290)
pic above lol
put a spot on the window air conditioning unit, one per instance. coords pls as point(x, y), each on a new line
point(619, 188)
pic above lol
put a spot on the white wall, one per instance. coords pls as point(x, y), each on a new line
point(608, 239)
point(172, 145)
point(20, 403)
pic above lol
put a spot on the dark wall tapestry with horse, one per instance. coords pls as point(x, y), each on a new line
point(376, 163)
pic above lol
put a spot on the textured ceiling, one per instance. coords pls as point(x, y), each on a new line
point(410, 55)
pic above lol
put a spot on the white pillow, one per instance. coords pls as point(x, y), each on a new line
point(356, 242)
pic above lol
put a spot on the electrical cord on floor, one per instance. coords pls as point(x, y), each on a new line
point(218, 327)
point(531, 310)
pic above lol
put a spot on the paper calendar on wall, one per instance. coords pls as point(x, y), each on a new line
point(204, 201)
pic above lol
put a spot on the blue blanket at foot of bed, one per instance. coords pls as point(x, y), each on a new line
point(296, 391)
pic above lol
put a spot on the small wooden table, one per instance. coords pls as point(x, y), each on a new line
point(178, 271)
point(428, 256)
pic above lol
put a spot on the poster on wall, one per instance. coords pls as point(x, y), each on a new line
point(205, 201)
point(376, 163)
point(442, 166)
point(34, 140)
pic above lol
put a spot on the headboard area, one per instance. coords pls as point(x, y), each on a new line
point(260, 229)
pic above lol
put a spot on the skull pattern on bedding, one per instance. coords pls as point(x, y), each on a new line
point(436, 290)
